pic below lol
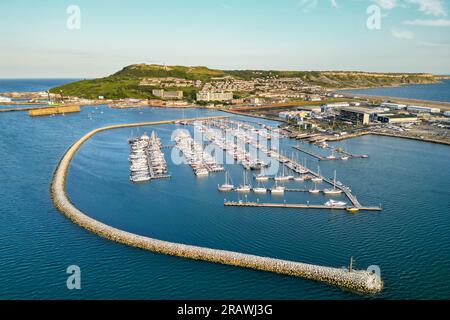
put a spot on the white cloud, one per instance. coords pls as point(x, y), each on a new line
point(387, 4)
point(431, 7)
point(403, 34)
point(429, 23)
point(334, 4)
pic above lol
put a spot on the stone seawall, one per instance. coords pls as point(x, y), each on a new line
point(360, 281)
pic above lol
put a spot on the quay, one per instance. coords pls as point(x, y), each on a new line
point(356, 280)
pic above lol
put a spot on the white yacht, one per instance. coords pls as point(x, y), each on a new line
point(333, 203)
point(314, 190)
point(335, 191)
point(278, 190)
point(260, 189)
point(317, 179)
point(283, 177)
point(227, 186)
point(201, 172)
point(244, 187)
point(262, 176)
point(332, 156)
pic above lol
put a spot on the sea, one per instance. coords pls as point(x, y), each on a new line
point(439, 92)
point(408, 240)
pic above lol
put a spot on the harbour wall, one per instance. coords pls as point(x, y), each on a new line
point(359, 281)
point(39, 112)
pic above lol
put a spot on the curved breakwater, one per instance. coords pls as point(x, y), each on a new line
point(360, 281)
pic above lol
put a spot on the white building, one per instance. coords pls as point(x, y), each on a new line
point(420, 109)
point(393, 106)
point(336, 105)
point(5, 99)
point(214, 96)
point(447, 114)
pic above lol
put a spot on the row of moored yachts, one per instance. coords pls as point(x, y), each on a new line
point(146, 159)
point(201, 161)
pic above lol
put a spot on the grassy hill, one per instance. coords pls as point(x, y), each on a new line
point(125, 83)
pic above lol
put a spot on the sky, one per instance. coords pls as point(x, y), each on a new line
point(95, 38)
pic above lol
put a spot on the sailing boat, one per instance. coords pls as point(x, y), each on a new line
point(278, 189)
point(319, 178)
point(334, 191)
point(283, 177)
point(259, 189)
point(315, 190)
point(227, 186)
point(262, 176)
point(245, 187)
point(332, 156)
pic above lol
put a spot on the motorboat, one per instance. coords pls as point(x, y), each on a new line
point(333, 203)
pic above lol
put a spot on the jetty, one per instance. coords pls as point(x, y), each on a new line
point(321, 158)
point(356, 280)
point(310, 153)
point(296, 206)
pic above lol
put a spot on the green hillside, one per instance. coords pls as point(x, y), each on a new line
point(125, 83)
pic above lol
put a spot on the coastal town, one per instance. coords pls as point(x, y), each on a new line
point(305, 111)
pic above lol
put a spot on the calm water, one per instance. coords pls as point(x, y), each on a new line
point(408, 240)
point(31, 85)
point(431, 92)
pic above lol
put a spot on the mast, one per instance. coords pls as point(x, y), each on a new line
point(334, 181)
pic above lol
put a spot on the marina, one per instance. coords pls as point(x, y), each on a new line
point(355, 280)
point(202, 163)
point(227, 134)
point(146, 159)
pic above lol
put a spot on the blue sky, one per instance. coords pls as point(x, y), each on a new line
point(229, 34)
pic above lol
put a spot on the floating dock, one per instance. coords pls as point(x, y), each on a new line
point(360, 281)
point(321, 158)
point(298, 206)
point(310, 153)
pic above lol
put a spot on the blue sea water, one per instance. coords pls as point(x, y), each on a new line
point(439, 92)
point(31, 85)
point(408, 239)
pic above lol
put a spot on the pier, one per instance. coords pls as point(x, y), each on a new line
point(320, 158)
point(310, 153)
point(296, 206)
point(359, 281)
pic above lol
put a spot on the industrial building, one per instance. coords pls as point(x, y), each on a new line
point(447, 114)
point(161, 93)
point(358, 115)
point(397, 118)
point(314, 109)
point(214, 96)
point(420, 109)
point(328, 106)
point(393, 106)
